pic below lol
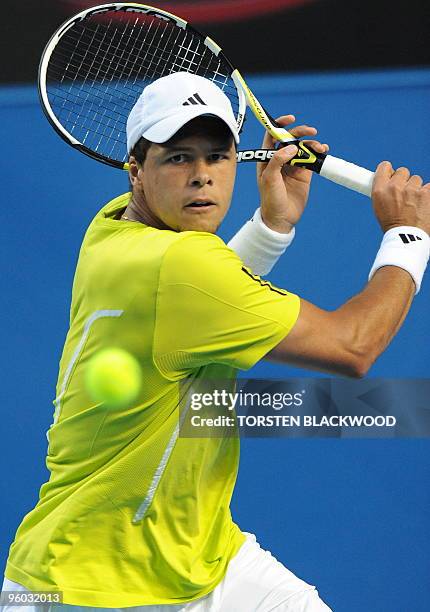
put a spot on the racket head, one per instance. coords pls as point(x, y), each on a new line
point(97, 63)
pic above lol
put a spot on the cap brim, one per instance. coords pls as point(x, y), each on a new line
point(166, 128)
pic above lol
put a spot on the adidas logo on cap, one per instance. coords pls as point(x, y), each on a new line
point(194, 99)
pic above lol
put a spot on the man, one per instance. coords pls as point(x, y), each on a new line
point(134, 514)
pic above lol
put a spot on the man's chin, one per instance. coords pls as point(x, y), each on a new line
point(201, 225)
point(205, 221)
point(202, 220)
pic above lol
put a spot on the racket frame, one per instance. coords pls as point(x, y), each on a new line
point(337, 170)
point(128, 7)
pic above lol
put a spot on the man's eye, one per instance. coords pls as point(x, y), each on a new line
point(177, 159)
point(217, 156)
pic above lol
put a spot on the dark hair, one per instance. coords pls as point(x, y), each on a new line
point(140, 150)
point(204, 125)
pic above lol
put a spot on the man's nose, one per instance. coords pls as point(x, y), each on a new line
point(201, 174)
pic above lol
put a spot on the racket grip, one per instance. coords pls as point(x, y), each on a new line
point(347, 174)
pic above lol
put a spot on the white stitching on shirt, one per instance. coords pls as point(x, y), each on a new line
point(98, 314)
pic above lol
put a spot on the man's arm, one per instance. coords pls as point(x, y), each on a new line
point(349, 340)
point(284, 192)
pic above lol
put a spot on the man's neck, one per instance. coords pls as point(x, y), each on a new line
point(140, 213)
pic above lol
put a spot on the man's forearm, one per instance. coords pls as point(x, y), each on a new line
point(348, 340)
point(374, 316)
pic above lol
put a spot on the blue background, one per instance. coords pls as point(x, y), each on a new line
point(351, 516)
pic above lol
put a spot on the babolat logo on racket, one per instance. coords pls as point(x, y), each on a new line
point(407, 238)
point(257, 154)
point(194, 99)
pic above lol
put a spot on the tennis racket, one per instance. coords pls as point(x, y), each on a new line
point(97, 63)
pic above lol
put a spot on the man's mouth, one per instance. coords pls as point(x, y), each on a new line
point(200, 204)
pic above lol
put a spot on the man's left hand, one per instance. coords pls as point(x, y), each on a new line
point(284, 189)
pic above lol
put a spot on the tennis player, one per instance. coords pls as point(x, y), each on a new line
point(135, 515)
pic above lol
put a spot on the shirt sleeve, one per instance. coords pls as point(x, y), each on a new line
point(212, 309)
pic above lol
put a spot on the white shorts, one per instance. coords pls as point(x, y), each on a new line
point(255, 582)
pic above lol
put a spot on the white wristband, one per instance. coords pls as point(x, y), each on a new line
point(258, 246)
point(405, 247)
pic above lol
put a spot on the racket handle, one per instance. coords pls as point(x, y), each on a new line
point(347, 174)
point(333, 168)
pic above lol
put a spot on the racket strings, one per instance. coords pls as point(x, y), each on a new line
point(75, 66)
point(160, 54)
point(100, 67)
point(176, 62)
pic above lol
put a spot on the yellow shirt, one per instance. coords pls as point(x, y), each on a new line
point(134, 514)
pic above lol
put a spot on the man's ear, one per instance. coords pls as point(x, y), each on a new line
point(133, 170)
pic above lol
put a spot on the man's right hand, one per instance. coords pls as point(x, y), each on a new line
point(400, 199)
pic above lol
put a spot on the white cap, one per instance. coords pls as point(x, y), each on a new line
point(170, 102)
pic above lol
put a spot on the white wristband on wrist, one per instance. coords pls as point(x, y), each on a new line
point(405, 247)
point(258, 246)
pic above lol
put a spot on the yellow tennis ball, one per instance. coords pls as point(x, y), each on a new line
point(114, 377)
